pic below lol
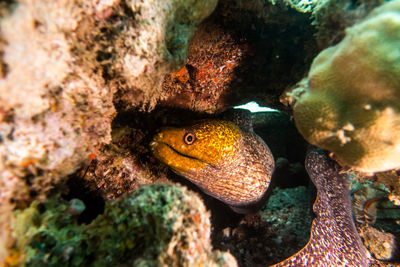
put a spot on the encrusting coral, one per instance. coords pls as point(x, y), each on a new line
point(159, 225)
point(349, 104)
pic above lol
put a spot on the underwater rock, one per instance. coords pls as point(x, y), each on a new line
point(381, 245)
point(391, 179)
point(119, 167)
point(74, 57)
point(156, 44)
point(204, 82)
point(159, 225)
point(349, 104)
point(332, 17)
point(56, 109)
point(242, 53)
point(277, 231)
point(62, 65)
point(55, 106)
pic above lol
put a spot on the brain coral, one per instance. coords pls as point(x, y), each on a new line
point(349, 104)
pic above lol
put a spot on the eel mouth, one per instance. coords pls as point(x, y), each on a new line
point(154, 144)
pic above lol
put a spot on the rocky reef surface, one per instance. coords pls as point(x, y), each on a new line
point(85, 85)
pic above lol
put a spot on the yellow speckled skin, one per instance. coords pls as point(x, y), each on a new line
point(207, 148)
point(226, 162)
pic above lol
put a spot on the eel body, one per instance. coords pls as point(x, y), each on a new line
point(235, 166)
point(227, 162)
point(334, 240)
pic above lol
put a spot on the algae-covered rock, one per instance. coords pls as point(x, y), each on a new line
point(349, 104)
point(332, 17)
point(64, 62)
point(380, 244)
point(159, 45)
point(54, 111)
point(159, 225)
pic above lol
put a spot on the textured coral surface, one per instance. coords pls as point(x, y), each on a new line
point(157, 225)
point(63, 64)
point(349, 104)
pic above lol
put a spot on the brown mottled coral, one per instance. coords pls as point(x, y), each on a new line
point(210, 67)
point(157, 42)
point(380, 244)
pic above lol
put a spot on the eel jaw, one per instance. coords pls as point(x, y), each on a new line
point(174, 159)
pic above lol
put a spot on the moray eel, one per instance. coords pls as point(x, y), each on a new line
point(334, 239)
point(230, 163)
point(235, 166)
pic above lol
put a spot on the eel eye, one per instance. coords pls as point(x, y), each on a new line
point(189, 138)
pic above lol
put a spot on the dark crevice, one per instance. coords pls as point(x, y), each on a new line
point(94, 204)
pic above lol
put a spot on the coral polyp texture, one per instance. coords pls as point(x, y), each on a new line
point(349, 104)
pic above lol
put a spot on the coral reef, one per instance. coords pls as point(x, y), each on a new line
point(58, 113)
point(76, 58)
point(157, 44)
point(159, 225)
point(391, 180)
point(349, 102)
point(240, 54)
point(377, 218)
point(85, 84)
point(371, 203)
point(70, 108)
point(116, 170)
point(202, 84)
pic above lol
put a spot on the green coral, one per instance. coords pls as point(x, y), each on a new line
point(349, 104)
point(159, 225)
point(48, 233)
